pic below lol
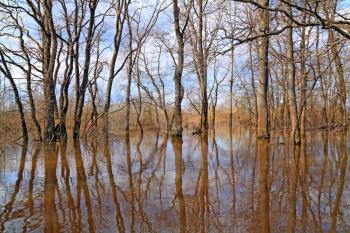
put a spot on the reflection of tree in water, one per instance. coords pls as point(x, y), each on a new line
point(264, 189)
point(30, 202)
point(203, 185)
point(65, 172)
point(227, 186)
point(50, 210)
point(118, 213)
point(5, 214)
point(343, 162)
point(180, 169)
point(293, 162)
point(82, 185)
point(131, 181)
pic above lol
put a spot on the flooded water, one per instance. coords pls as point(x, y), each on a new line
point(227, 182)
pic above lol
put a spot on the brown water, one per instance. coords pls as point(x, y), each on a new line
point(222, 183)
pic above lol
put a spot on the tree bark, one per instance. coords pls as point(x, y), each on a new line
point(202, 72)
point(263, 116)
point(177, 122)
point(129, 73)
point(49, 51)
point(304, 82)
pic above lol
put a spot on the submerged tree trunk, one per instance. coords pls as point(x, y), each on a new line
point(263, 117)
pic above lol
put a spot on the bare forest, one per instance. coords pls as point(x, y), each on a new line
point(87, 67)
point(103, 72)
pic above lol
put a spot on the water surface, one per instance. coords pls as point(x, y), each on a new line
point(223, 182)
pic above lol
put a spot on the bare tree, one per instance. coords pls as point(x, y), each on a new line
point(121, 11)
point(78, 112)
point(180, 34)
point(263, 116)
point(291, 85)
point(5, 70)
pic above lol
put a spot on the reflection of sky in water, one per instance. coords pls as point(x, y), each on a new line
point(233, 174)
point(9, 178)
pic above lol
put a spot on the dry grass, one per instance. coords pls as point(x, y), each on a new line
point(10, 127)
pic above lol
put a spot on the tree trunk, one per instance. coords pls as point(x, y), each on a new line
point(330, 11)
point(49, 49)
point(340, 75)
point(29, 86)
point(119, 23)
point(128, 100)
point(202, 72)
point(263, 117)
point(32, 107)
point(7, 73)
point(293, 111)
point(303, 84)
point(252, 80)
point(128, 88)
point(82, 89)
point(64, 98)
point(177, 122)
point(231, 86)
